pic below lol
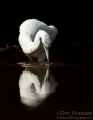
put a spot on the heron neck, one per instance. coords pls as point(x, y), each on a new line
point(27, 45)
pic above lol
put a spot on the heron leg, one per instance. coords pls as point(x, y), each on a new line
point(30, 57)
point(41, 57)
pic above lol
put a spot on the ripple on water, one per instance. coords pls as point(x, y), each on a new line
point(46, 64)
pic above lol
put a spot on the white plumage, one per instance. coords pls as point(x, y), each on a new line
point(35, 38)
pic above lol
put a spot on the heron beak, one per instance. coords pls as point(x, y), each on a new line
point(47, 52)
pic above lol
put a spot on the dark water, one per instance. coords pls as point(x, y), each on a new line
point(70, 90)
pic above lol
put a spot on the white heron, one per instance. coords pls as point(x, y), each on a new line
point(35, 38)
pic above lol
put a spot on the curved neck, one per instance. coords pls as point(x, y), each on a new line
point(27, 45)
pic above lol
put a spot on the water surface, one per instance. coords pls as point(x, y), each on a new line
point(45, 91)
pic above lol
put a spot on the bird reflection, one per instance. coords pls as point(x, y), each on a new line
point(36, 83)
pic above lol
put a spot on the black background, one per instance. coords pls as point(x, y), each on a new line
point(73, 19)
point(75, 25)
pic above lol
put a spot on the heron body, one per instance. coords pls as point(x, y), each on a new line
point(35, 38)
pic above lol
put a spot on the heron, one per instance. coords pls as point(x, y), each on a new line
point(35, 39)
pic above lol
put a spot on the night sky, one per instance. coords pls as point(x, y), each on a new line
point(73, 20)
